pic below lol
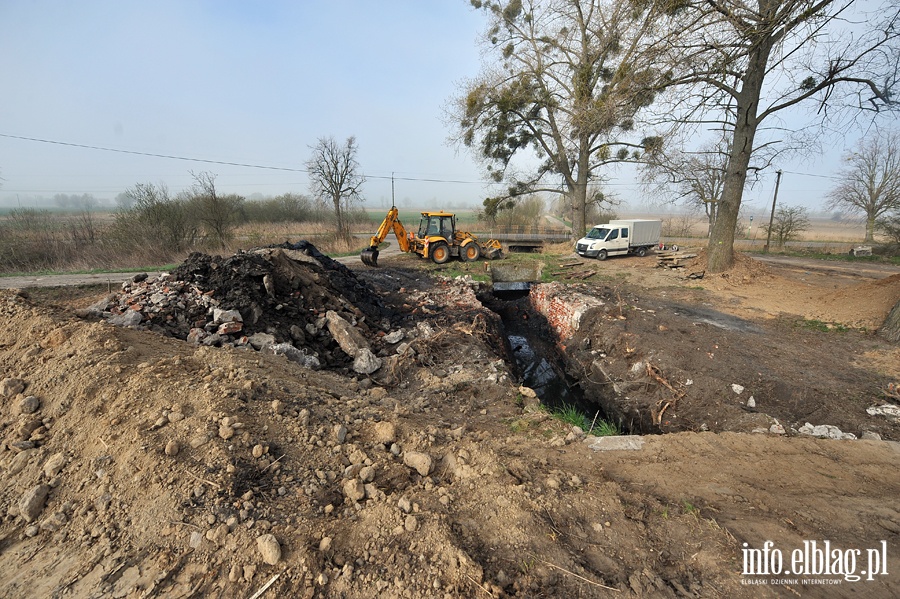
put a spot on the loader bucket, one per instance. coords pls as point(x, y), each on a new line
point(369, 256)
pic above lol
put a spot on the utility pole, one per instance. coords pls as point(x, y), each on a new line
point(772, 216)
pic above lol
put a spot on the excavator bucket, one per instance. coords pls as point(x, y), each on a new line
point(369, 257)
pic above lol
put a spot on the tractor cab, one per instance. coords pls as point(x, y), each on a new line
point(442, 224)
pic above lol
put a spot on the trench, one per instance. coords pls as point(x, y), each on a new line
point(534, 357)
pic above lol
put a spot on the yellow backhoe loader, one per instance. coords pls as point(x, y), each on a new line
point(437, 238)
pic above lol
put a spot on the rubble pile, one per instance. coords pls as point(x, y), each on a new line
point(289, 299)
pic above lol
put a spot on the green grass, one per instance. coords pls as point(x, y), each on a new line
point(824, 327)
point(92, 271)
point(604, 428)
point(570, 415)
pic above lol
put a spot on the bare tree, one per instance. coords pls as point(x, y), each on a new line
point(334, 176)
point(788, 223)
point(565, 82)
point(871, 181)
point(741, 63)
point(695, 178)
point(218, 214)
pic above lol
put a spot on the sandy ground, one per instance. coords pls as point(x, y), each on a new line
point(153, 467)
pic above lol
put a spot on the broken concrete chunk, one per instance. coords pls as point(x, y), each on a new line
point(347, 336)
point(131, 318)
point(366, 362)
point(221, 316)
point(615, 443)
point(260, 341)
point(825, 431)
point(295, 355)
point(395, 337)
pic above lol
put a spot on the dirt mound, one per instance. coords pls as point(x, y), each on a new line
point(275, 296)
point(745, 270)
point(867, 302)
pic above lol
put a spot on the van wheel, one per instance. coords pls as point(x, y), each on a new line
point(601, 255)
point(641, 252)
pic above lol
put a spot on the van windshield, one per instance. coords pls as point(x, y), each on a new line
point(598, 233)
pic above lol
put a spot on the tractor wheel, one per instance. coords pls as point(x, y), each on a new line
point(439, 252)
point(471, 252)
point(601, 255)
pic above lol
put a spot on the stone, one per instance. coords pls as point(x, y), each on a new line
point(404, 504)
point(420, 462)
point(615, 443)
point(346, 335)
point(367, 474)
point(395, 337)
point(196, 540)
point(220, 316)
point(411, 523)
point(260, 341)
point(21, 460)
point(354, 489)
point(295, 355)
point(11, 387)
point(527, 392)
point(196, 335)
point(29, 405)
point(54, 464)
point(384, 432)
point(325, 544)
point(32, 502)
point(751, 403)
point(866, 436)
point(226, 432)
point(230, 328)
point(172, 448)
point(776, 429)
point(258, 451)
point(825, 431)
point(737, 388)
point(269, 548)
point(366, 362)
point(217, 535)
point(889, 411)
point(131, 318)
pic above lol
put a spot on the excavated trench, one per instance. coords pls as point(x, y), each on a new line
point(538, 363)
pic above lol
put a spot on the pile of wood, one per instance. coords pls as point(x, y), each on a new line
point(672, 259)
point(574, 273)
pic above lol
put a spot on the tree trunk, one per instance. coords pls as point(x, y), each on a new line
point(870, 228)
point(891, 328)
point(720, 252)
point(579, 193)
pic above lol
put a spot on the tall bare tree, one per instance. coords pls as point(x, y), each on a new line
point(742, 63)
point(563, 80)
point(334, 175)
point(870, 183)
point(216, 212)
point(695, 178)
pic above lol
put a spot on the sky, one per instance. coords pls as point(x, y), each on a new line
point(258, 83)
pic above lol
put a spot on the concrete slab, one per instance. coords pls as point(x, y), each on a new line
point(615, 443)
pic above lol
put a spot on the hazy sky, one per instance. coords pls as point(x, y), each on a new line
point(253, 83)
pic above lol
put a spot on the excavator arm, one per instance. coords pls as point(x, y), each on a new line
point(369, 256)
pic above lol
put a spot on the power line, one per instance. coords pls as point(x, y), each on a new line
point(224, 163)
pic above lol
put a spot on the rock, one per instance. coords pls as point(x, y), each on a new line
point(32, 502)
point(615, 443)
point(737, 388)
point(395, 337)
point(527, 392)
point(420, 462)
point(230, 328)
point(226, 432)
point(411, 523)
point(295, 355)
point(384, 432)
point(340, 433)
point(196, 335)
point(11, 387)
point(366, 362)
point(346, 335)
point(29, 405)
point(131, 318)
point(269, 548)
point(889, 411)
point(196, 540)
point(217, 535)
point(404, 505)
point(258, 451)
point(172, 448)
point(367, 474)
point(54, 464)
point(866, 435)
point(221, 316)
point(354, 489)
point(325, 544)
point(825, 431)
point(751, 403)
point(19, 462)
point(234, 574)
point(260, 341)
point(776, 429)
